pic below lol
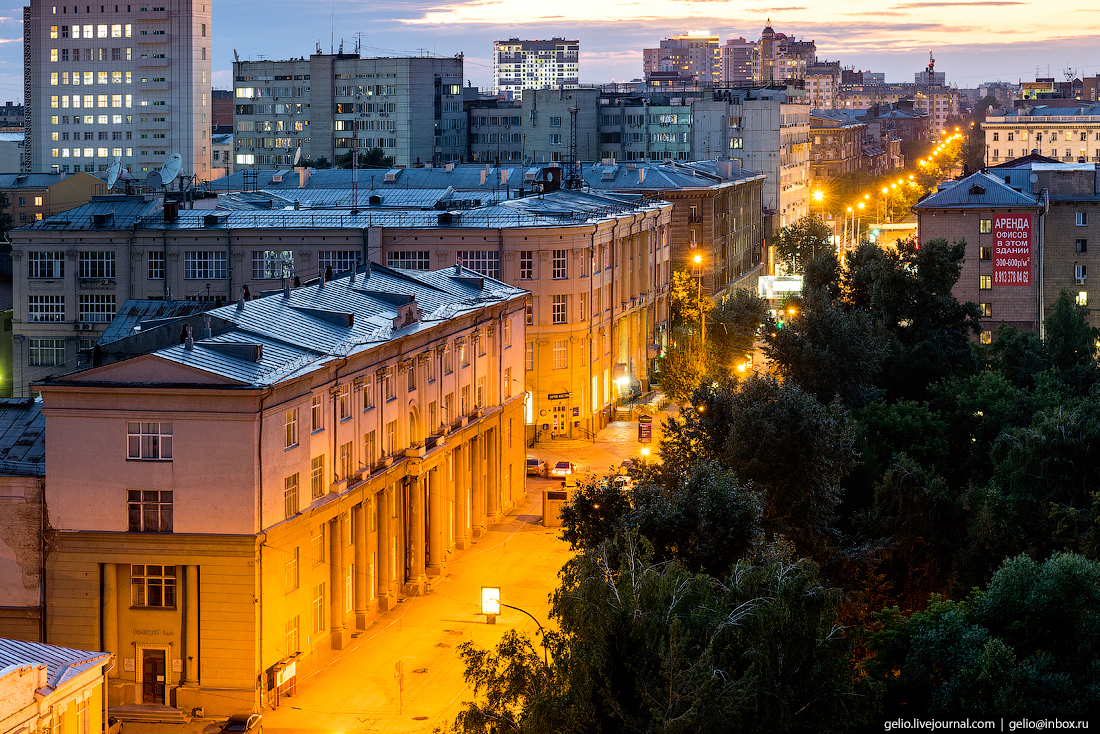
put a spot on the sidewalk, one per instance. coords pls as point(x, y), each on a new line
point(616, 442)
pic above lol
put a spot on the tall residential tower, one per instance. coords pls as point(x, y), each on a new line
point(519, 65)
point(129, 80)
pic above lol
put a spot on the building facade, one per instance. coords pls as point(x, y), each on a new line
point(265, 487)
point(694, 55)
point(522, 65)
point(1067, 134)
point(597, 267)
point(937, 103)
point(32, 196)
point(128, 81)
point(836, 148)
point(328, 104)
point(49, 688)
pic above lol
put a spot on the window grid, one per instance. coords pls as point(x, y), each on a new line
point(45, 264)
point(339, 260)
point(318, 608)
point(47, 352)
point(46, 308)
point(149, 441)
point(152, 586)
point(409, 259)
point(560, 354)
point(97, 308)
point(202, 265)
point(559, 265)
point(271, 264)
point(97, 265)
point(526, 265)
point(291, 570)
point(156, 264)
point(317, 413)
point(557, 309)
point(290, 424)
point(290, 495)
point(149, 511)
point(481, 261)
point(317, 476)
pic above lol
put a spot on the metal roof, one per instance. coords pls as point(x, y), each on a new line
point(980, 190)
point(321, 321)
point(29, 180)
point(660, 177)
point(134, 312)
point(22, 438)
point(559, 208)
point(62, 663)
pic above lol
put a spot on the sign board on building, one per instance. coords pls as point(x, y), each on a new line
point(558, 396)
point(645, 429)
point(1012, 249)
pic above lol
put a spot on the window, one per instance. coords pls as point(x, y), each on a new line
point(507, 382)
point(1082, 298)
point(483, 262)
point(290, 423)
point(339, 260)
point(986, 337)
point(317, 545)
point(557, 309)
point(985, 226)
point(560, 354)
point(985, 253)
point(1081, 245)
point(290, 570)
point(411, 374)
point(391, 437)
point(370, 455)
point(996, 137)
point(290, 495)
point(559, 265)
point(203, 265)
point(555, 122)
point(985, 282)
point(506, 337)
point(448, 360)
point(387, 384)
point(529, 313)
point(529, 356)
point(1080, 272)
point(317, 413)
point(555, 139)
point(270, 264)
point(46, 308)
point(526, 265)
point(97, 309)
point(409, 259)
point(368, 395)
point(47, 352)
point(156, 264)
point(293, 636)
point(317, 476)
point(153, 586)
point(149, 510)
point(463, 353)
point(319, 608)
point(343, 400)
point(45, 264)
point(149, 441)
point(464, 399)
point(985, 310)
point(1082, 219)
point(346, 460)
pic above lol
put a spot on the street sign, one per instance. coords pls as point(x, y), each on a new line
point(558, 396)
point(645, 429)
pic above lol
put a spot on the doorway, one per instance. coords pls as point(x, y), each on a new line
point(152, 676)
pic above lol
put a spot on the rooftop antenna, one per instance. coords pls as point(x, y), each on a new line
point(236, 58)
point(113, 171)
point(297, 154)
point(573, 178)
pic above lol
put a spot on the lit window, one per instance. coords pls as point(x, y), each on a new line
point(985, 282)
point(560, 354)
point(1082, 298)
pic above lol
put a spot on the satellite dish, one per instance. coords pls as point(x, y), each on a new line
point(171, 168)
point(113, 171)
point(297, 154)
point(153, 180)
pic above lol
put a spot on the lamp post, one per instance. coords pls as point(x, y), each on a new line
point(490, 607)
point(819, 197)
point(698, 260)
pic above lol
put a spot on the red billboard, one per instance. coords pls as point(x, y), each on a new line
point(1012, 249)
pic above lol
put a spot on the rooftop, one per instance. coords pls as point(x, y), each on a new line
point(62, 663)
point(22, 438)
point(286, 334)
point(980, 190)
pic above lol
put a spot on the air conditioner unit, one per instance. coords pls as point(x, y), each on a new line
point(1080, 281)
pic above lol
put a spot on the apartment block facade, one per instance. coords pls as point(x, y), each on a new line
point(937, 102)
point(328, 104)
point(695, 55)
point(534, 64)
point(227, 507)
point(119, 80)
point(597, 267)
point(1066, 134)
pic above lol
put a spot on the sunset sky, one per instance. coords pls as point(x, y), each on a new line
point(974, 42)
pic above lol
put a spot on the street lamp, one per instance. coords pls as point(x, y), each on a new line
point(698, 260)
point(490, 607)
point(819, 197)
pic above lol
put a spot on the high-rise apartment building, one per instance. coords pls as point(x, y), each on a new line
point(693, 54)
point(129, 80)
point(737, 62)
point(779, 57)
point(411, 108)
point(520, 65)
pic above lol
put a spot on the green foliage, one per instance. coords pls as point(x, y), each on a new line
point(683, 365)
point(1071, 343)
point(1019, 356)
point(780, 438)
point(799, 243)
point(6, 220)
point(511, 685)
point(732, 329)
point(372, 158)
point(1027, 646)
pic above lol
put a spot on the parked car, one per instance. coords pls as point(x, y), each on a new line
point(239, 723)
point(535, 467)
point(114, 726)
point(563, 469)
point(626, 466)
point(622, 482)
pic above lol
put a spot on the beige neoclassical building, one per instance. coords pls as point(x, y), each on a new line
point(254, 490)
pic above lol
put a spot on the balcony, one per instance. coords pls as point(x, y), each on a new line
point(146, 61)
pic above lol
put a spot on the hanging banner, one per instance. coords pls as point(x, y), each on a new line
point(1012, 249)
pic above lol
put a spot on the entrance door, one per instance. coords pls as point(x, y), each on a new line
point(561, 421)
point(152, 676)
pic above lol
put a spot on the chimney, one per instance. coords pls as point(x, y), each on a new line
point(483, 172)
point(641, 174)
point(206, 327)
point(240, 303)
point(189, 342)
point(171, 211)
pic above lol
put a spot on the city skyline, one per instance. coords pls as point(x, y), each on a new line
point(972, 46)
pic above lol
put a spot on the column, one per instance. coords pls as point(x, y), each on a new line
point(191, 626)
point(462, 494)
point(337, 607)
point(415, 585)
point(477, 487)
point(492, 472)
point(435, 524)
point(384, 504)
point(362, 566)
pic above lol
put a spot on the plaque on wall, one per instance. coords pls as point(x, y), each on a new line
point(177, 665)
point(128, 665)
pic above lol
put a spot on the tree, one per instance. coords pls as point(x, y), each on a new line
point(791, 447)
point(653, 647)
point(732, 329)
point(1071, 343)
point(799, 243)
point(682, 367)
point(371, 158)
point(1026, 646)
point(687, 304)
point(1019, 356)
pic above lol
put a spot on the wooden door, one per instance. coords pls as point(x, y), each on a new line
point(152, 676)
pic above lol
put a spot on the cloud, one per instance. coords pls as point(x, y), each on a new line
point(977, 3)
